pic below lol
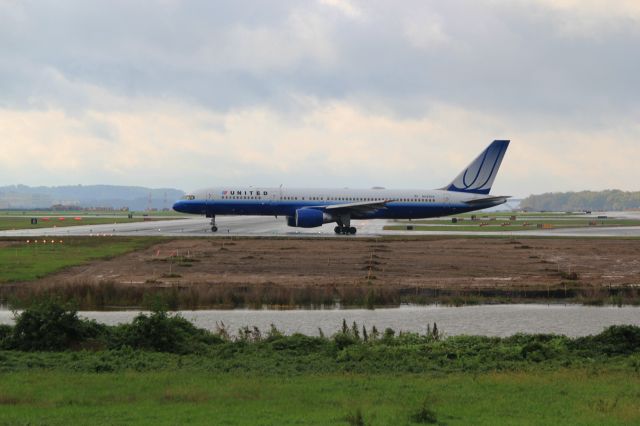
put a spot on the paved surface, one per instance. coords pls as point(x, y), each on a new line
point(270, 226)
point(197, 226)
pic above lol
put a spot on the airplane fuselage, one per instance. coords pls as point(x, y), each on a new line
point(399, 204)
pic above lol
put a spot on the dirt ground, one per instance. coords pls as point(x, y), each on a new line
point(446, 263)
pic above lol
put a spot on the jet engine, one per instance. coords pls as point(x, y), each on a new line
point(309, 218)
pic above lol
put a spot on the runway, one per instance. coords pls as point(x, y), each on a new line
point(199, 227)
point(261, 226)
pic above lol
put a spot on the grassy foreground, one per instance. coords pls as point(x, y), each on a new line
point(56, 368)
point(180, 397)
point(22, 261)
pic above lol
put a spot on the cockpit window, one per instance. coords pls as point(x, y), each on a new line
point(189, 197)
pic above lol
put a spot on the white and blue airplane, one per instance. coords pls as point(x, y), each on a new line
point(313, 207)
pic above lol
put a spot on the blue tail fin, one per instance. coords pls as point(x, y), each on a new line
point(478, 177)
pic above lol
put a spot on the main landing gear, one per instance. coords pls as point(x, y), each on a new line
point(344, 225)
point(345, 230)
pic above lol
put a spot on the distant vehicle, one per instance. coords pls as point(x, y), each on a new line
point(312, 207)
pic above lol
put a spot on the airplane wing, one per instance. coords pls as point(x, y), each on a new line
point(362, 206)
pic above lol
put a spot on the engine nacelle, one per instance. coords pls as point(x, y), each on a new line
point(309, 218)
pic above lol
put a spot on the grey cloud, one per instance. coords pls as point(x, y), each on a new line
point(511, 58)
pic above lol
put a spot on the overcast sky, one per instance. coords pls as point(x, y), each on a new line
point(188, 94)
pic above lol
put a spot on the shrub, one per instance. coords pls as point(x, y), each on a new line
point(6, 331)
point(50, 326)
point(163, 333)
point(614, 340)
point(424, 416)
point(343, 340)
point(298, 343)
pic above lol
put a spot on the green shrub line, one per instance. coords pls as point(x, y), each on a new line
point(51, 335)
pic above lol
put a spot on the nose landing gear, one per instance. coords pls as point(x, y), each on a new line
point(214, 228)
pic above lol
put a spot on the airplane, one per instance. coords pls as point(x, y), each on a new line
point(314, 207)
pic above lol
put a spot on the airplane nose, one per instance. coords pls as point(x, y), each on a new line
point(178, 206)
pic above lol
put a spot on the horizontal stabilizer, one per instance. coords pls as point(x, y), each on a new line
point(488, 200)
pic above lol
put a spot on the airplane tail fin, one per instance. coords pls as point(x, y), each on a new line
point(478, 177)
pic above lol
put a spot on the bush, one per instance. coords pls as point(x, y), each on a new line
point(6, 331)
point(614, 340)
point(163, 333)
point(49, 326)
point(299, 344)
point(343, 340)
point(424, 416)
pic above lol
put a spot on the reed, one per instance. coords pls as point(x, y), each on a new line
point(106, 295)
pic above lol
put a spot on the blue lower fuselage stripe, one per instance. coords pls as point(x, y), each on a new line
point(394, 210)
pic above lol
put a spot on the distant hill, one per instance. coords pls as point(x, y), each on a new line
point(112, 196)
point(610, 200)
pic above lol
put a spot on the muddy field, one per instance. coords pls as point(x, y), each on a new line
point(447, 263)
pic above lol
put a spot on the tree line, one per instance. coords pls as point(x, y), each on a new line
point(609, 200)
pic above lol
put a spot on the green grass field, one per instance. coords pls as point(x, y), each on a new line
point(565, 396)
point(527, 214)
point(10, 223)
point(520, 224)
point(14, 222)
point(20, 261)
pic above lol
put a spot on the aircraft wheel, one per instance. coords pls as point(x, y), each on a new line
point(214, 228)
point(353, 230)
point(337, 229)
